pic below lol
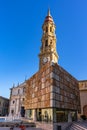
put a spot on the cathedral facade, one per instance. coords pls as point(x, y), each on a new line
point(17, 98)
point(52, 94)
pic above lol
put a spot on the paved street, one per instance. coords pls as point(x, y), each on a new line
point(30, 128)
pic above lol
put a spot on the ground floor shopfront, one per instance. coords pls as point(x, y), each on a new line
point(51, 115)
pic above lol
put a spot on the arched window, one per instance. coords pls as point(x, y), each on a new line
point(23, 99)
point(50, 41)
point(24, 90)
point(50, 29)
point(46, 29)
point(18, 91)
point(12, 111)
point(13, 102)
point(46, 43)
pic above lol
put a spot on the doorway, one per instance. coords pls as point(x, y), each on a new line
point(39, 115)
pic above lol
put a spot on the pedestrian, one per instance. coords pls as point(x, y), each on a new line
point(22, 127)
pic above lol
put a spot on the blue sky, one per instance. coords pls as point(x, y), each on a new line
point(20, 38)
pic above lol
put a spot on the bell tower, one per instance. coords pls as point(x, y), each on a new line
point(48, 51)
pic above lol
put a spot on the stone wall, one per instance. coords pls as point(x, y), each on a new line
point(52, 86)
point(65, 89)
point(83, 96)
point(39, 88)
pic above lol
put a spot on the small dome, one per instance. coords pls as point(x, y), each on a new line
point(48, 17)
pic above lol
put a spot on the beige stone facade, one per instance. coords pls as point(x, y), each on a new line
point(48, 48)
point(17, 97)
point(4, 106)
point(83, 96)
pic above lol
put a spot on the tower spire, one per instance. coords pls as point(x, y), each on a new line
point(49, 12)
point(48, 51)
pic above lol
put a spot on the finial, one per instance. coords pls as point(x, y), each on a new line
point(49, 12)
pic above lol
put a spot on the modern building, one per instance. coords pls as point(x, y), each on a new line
point(17, 97)
point(4, 106)
point(83, 96)
point(52, 94)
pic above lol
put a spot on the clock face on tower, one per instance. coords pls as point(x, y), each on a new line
point(45, 59)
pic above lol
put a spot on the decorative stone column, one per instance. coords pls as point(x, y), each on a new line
point(35, 115)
